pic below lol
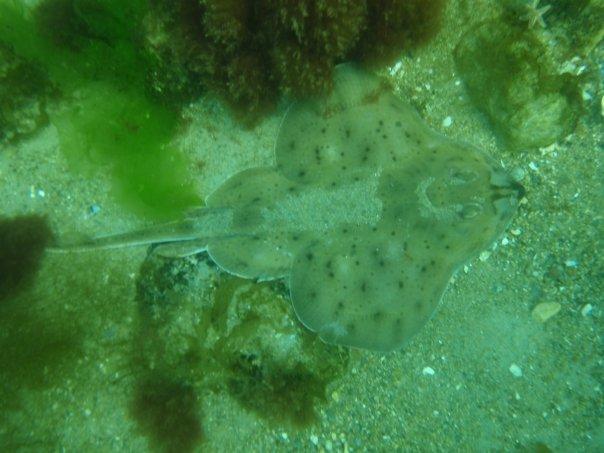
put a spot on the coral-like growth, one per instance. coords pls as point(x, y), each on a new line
point(253, 51)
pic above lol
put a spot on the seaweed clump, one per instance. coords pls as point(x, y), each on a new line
point(37, 349)
point(22, 243)
point(167, 413)
point(252, 52)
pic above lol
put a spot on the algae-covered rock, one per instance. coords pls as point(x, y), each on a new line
point(232, 336)
point(511, 79)
point(271, 364)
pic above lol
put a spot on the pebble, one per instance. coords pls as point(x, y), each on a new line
point(428, 371)
point(518, 174)
point(396, 68)
point(314, 439)
point(33, 192)
point(484, 255)
point(447, 121)
point(545, 310)
point(515, 370)
point(587, 309)
point(571, 263)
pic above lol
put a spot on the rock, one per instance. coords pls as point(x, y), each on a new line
point(587, 309)
point(428, 371)
point(515, 370)
point(234, 336)
point(511, 79)
point(545, 310)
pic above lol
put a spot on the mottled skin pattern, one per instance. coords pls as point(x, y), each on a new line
point(366, 213)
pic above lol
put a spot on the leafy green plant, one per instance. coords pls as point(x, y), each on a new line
point(91, 51)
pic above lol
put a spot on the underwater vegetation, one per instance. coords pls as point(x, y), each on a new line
point(587, 17)
point(252, 52)
point(167, 413)
point(37, 350)
point(510, 78)
point(211, 332)
point(272, 366)
point(22, 243)
point(89, 51)
point(24, 89)
point(122, 71)
point(576, 24)
point(123, 129)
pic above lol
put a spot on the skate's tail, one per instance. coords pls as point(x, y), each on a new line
point(195, 230)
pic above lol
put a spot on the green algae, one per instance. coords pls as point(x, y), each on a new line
point(90, 51)
point(122, 129)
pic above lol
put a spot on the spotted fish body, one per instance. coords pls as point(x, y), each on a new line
point(366, 214)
